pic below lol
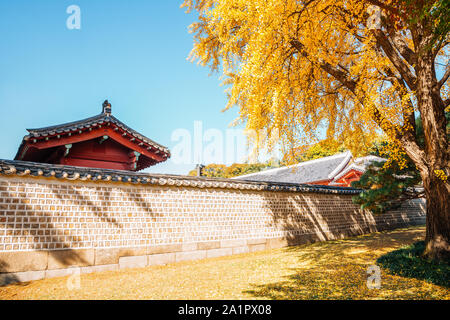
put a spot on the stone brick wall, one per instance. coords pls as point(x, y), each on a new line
point(48, 225)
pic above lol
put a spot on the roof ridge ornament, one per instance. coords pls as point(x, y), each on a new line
point(106, 108)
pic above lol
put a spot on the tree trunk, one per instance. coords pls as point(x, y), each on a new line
point(437, 189)
point(437, 239)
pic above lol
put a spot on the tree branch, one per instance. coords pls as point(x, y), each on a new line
point(443, 43)
point(335, 72)
point(407, 138)
point(445, 77)
point(391, 53)
point(446, 103)
point(386, 7)
point(400, 44)
point(409, 118)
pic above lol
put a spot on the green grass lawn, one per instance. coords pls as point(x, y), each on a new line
point(327, 270)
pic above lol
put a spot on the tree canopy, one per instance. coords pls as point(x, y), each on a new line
point(351, 68)
point(296, 67)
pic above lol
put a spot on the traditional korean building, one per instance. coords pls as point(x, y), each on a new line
point(101, 141)
point(337, 170)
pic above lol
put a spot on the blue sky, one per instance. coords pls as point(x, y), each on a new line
point(130, 52)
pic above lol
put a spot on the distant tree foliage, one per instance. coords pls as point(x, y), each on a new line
point(324, 148)
point(234, 170)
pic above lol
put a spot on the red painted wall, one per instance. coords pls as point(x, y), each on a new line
point(107, 155)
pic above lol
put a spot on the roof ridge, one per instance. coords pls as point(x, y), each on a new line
point(300, 164)
point(141, 136)
point(96, 117)
point(355, 165)
point(342, 165)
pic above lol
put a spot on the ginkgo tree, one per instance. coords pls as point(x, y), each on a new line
point(355, 67)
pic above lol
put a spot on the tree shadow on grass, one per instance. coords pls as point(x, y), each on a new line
point(340, 283)
point(407, 262)
point(338, 269)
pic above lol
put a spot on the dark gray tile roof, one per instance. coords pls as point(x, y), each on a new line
point(92, 122)
point(52, 171)
point(305, 172)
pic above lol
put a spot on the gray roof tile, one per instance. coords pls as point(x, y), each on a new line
point(305, 172)
point(97, 120)
point(52, 171)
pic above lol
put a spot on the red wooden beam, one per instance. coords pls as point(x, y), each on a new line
point(96, 163)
